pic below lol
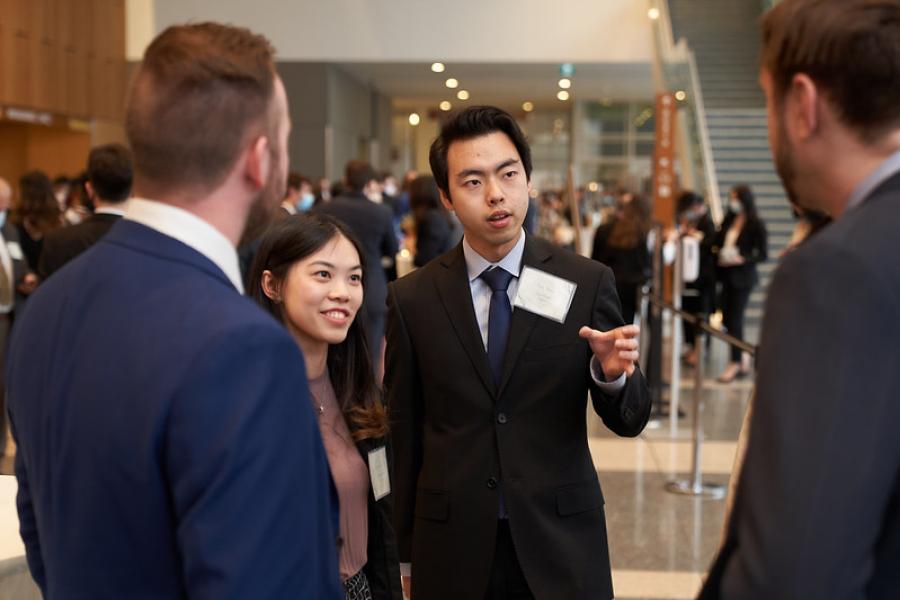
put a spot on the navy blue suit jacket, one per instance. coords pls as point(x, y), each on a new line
point(166, 443)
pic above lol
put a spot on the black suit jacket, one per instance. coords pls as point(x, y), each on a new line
point(458, 439)
point(373, 226)
point(65, 243)
point(817, 509)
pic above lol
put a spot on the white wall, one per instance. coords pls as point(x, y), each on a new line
point(425, 30)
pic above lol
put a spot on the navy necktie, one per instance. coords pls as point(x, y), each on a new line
point(499, 318)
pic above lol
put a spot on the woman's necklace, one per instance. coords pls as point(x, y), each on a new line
point(319, 405)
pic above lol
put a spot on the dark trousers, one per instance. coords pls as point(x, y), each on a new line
point(628, 298)
point(507, 579)
point(697, 301)
point(734, 304)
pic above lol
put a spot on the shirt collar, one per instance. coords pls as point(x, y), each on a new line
point(110, 210)
point(477, 264)
point(189, 229)
point(862, 190)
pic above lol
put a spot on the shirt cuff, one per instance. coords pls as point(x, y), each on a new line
point(611, 388)
point(405, 569)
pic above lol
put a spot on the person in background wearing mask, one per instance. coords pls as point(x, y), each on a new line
point(299, 197)
point(698, 296)
point(740, 244)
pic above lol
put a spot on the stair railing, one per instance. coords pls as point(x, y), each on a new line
point(675, 68)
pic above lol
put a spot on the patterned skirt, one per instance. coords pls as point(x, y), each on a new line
point(357, 587)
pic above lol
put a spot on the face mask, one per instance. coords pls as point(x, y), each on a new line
point(736, 207)
point(390, 190)
point(305, 202)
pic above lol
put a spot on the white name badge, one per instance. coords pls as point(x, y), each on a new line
point(378, 473)
point(544, 294)
point(15, 250)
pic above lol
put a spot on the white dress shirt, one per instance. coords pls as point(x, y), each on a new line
point(190, 230)
point(8, 269)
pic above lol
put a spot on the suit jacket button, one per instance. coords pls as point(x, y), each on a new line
point(492, 483)
point(501, 418)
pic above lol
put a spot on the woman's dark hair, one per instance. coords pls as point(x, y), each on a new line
point(285, 243)
point(36, 203)
point(632, 226)
point(745, 196)
point(424, 196)
point(472, 123)
point(686, 201)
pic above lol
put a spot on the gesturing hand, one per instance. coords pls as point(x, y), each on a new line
point(616, 350)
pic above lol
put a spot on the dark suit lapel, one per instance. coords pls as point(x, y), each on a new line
point(453, 288)
point(523, 321)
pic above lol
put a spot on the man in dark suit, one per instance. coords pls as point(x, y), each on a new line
point(13, 271)
point(817, 508)
point(371, 223)
point(108, 186)
point(496, 495)
point(166, 444)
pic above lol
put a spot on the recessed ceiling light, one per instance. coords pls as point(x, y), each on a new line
point(563, 95)
point(462, 95)
point(653, 13)
point(445, 105)
point(680, 95)
point(527, 106)
point(437, 67)
point(565, 83)
point(414, 119)
point(451, 83)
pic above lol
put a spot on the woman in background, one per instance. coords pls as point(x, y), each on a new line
point(308, 273)
point(698, 297)
point(740, 244)
point(35, 213)
point(435, 231)
point(622, 246)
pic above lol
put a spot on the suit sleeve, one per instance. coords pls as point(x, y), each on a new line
point(821, 467)
point(626, 413)
point(249, 479)
point(389, 246)
point(28, 521)
point(403, 392)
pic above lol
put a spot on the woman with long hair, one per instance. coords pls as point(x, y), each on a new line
point(35, 213)
point(740, 244)
point(434, 227)
point(308, 273)
point(622, 246)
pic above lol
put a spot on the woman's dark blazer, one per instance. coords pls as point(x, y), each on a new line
point(382, 563)
point(753, 246)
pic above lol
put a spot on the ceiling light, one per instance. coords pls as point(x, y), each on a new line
point(437, 67)
point(527, 106)
point(445, 105)
point(462, 95)
point(653, 13)
point(593, 186)
point(680, 95)
point(565, 83)
point(563, 95)
point(451, 83)
point(414, 119)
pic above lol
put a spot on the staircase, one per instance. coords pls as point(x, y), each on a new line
point(724, 36)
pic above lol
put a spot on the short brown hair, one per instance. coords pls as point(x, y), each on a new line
point(850, 49)
point(358, 174)
point(200, 94)
point(109, 171)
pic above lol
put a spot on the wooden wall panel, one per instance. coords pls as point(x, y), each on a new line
point(72, 27)
point(43, 57)
point(57, 151)
point(15, 71)
point(13, 140)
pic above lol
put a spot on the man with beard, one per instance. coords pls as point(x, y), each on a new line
point(817, 509)
point(166, 447)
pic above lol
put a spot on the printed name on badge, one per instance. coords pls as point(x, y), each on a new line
point(378, 473)
point(544, 294)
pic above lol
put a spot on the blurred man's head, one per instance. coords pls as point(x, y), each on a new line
point(361, 178)
point(206, 110)
point(109, 174)
point(831, 75)
point(5, 195)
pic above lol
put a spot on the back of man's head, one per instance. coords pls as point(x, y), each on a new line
point(109, 172)
point(472, 123)
point(358, 175)
point(850, 49)
point(201, 93)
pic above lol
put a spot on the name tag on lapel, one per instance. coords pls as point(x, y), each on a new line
point(544, 294)
point(15, 250)
point(378, 473)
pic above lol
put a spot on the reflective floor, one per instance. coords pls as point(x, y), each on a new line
point(661, 544)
